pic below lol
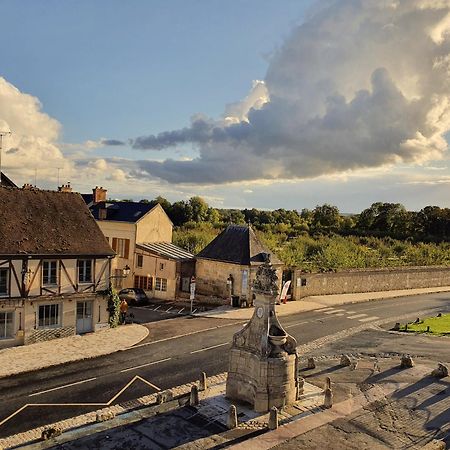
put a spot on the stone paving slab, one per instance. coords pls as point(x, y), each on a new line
point(318, 301)
point(37, 356)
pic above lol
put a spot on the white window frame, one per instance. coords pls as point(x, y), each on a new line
point(58, 307)
point(3, 324)
point(121, 246)
point(82, 270)
point(6, 292)
point(50, 261)
point(161, 284)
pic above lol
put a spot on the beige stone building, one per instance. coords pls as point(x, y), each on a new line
point(54, 261)
point(141, 235)
point(227, 266)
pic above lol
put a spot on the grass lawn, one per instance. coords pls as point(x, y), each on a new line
point(438, 325)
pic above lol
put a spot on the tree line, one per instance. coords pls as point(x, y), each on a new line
point(430, 224)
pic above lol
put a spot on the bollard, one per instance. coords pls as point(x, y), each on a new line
point(327, 383)
point(328, 399)
point(346, 361)
point(300, 386)
point(273, 418)
point(203, 382)
point(193, 399)
point(232, 421)
point(311, 363)
point(397, 326)
point(406, 362)
point(441, 371)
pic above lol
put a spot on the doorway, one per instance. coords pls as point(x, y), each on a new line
point(84, 317)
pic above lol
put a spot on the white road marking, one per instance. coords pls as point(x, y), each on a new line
point(340, 314)
point(171, 307)
point(156, 309)
point(357, 316)
point(368, 319)
point(184, 334)
point(145, 365)
point(62, 387)
point(193, 312)
point(209, 348)
point(295, 324)
point(182, 309)
point(324, 309)
point(334, 311)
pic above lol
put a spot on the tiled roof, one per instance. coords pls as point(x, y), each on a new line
point(119, 211)
point(38, 222)
point(238, 245)
point(166, 249)
point(6, 182)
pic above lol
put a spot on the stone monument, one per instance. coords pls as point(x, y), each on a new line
point(263, 358)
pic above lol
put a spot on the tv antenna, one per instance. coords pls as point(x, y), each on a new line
point(2, 134)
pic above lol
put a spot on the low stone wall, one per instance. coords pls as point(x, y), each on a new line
point(370, 280)
point(47, 334)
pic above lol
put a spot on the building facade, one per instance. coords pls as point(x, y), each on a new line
point(141, 235)
point(227, 266)
point(54, 265)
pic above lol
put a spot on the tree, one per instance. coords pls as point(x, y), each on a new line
point(199, 209)
point(325, 218)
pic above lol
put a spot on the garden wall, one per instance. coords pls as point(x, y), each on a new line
point(368, 280)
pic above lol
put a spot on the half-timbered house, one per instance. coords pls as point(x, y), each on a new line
point(54, 263)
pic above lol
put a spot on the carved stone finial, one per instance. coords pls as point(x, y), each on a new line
point(266, 279)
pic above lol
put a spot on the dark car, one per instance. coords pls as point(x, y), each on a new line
point(134, 296)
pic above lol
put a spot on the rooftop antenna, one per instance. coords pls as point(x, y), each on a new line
point(2, 134)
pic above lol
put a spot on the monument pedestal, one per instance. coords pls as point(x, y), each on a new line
point(263, 357)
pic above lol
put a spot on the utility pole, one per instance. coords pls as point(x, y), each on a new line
point(2, 134)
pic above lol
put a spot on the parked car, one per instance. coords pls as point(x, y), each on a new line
point(134, 296)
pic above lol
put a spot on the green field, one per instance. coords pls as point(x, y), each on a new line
point(438, 325)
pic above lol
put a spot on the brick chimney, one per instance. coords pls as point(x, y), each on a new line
point(65, 188)
point(99, 195)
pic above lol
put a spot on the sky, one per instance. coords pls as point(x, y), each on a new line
point(247, 103)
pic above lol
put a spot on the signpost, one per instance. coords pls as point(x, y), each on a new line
point(192, 292)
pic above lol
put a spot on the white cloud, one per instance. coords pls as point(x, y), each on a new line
point(360, 84)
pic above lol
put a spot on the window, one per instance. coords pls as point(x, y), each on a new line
point(143, 282)
point(6, 325)
point(85, 270)
point(118, 278)
point(121, 247)
point(161, 266)
point(49, 273)
point(4, 281)
point(304, 281)
point(49, 316)
point(161, 284)
point(140, 261)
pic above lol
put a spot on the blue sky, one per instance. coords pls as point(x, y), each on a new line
point(120, 68)
point(341, 116)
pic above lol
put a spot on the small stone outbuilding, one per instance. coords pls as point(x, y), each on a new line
point(227, 266)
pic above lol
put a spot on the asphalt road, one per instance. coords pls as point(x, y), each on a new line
point(171, 362)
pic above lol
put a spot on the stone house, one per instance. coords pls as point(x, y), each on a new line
point(141, 235)
point(227, 266)
point(54, 260)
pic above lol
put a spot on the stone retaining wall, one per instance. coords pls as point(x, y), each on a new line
point(370, 280)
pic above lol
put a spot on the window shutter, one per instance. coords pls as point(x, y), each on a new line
point(127, 248)
point(114, 244)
